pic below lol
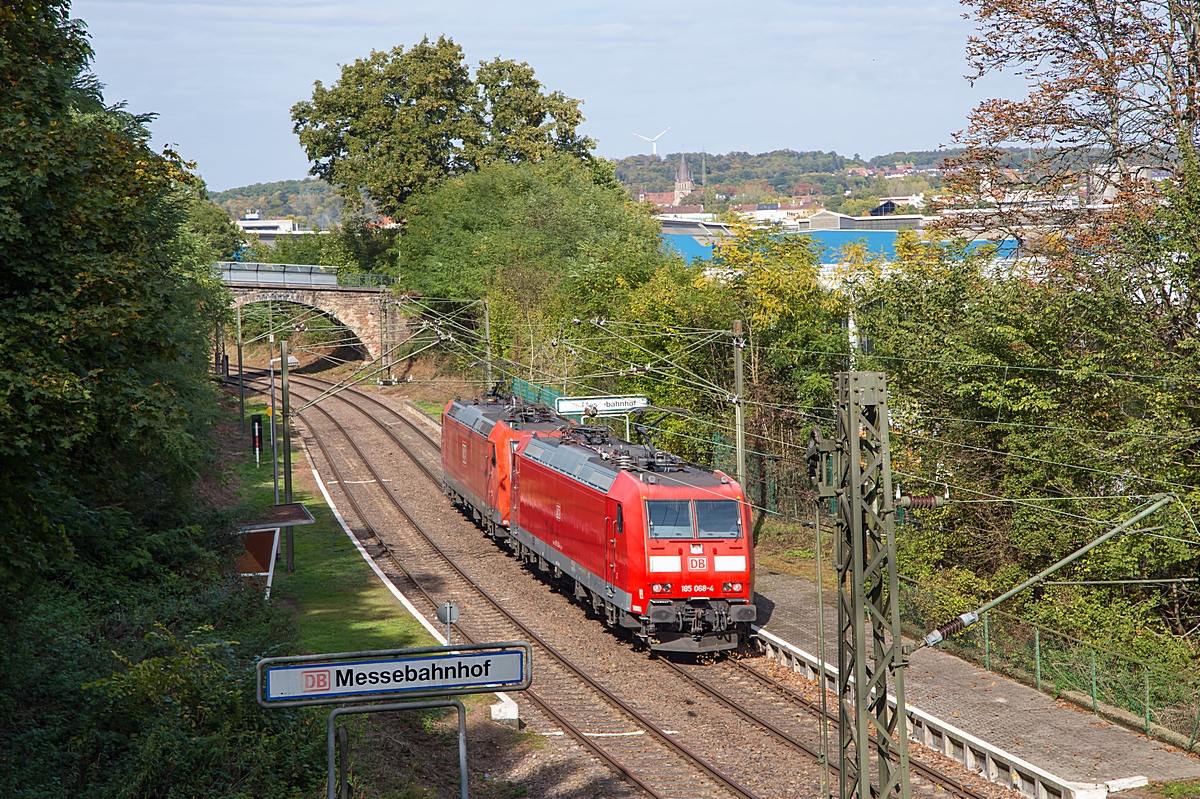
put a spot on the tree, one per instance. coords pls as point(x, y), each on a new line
point(519, 122)
point(210, 222)
point(544, 234)
point(356, 246)
point(106, 303)
point(1003, 386)
point(1114, 89)
point(397, 123)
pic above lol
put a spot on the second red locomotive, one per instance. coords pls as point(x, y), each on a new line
point(656, 545)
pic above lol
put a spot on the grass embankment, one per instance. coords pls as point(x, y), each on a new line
point(338, 602)
point(786, 546)
point(433, 409)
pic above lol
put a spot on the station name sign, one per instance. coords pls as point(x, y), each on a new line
point(407, 673)
point(600, 406)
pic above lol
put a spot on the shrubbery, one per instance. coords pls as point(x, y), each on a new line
point(118, 671)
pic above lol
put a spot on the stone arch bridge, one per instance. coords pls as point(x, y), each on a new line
point(367, 311)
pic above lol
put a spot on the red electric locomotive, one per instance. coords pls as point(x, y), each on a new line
point(478, 439)
point(655, 545)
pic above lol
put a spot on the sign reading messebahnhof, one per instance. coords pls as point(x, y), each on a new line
point(371, 674)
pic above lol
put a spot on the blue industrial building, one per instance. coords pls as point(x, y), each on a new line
point(694, 240)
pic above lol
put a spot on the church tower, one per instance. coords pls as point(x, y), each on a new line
point(683, 181)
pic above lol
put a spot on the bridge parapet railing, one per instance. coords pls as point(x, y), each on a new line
point(260, 274)
point(264, 274)
point(359, 279)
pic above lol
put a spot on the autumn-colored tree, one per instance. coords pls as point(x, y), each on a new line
point(1112, 114)
point(1113, 97)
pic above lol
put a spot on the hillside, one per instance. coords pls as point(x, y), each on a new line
point(313, 202)
point(739, 176)
point(784, 171)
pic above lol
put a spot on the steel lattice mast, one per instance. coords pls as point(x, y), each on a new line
point(855, 468)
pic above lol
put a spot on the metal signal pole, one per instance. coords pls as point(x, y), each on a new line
point(274, 416)
point(287, 446)
point(739, 407)
point(855, 468)
point(487, 343)
point(241, 373)
point(823, 752)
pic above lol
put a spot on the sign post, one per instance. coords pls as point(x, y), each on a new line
point(447, 615)
point(394, 675)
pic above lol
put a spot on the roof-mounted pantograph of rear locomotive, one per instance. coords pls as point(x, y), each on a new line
point(655, 545)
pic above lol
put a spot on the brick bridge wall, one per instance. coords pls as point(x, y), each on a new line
point(359, 310)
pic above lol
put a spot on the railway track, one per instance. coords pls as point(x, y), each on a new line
point(599, 720)
point(761, 701)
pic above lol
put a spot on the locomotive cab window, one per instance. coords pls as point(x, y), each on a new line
point(670, 518)
point(718, 518)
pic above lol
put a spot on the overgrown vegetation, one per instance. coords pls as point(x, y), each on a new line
point(356, 246)
point(128, 641)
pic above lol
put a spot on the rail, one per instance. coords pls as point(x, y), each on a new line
point(952, 785)
point(719, 780)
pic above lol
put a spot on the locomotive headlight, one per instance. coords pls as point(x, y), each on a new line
point(660, 588)
point(732, 588)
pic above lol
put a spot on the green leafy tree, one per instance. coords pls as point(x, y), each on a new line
point(521, 123)
point(107, 302)
point(398, 122)
point(210, 222)
point(1009, 384)
point(545, 235)
point(393, 124)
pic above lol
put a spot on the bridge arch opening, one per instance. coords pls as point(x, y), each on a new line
point(311, 330)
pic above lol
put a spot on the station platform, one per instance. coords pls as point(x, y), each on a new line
point(1057, 738)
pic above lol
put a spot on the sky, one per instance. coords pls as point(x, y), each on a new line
point(856, 76)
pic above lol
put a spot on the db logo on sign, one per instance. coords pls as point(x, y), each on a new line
point(697, 564)
point(314, 681)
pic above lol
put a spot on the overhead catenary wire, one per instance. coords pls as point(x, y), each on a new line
point(1081, 467)
point(706, 386)
point(981, 365)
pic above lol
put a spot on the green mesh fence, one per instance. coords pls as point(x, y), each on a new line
point(532, 392)
point(1160, 701)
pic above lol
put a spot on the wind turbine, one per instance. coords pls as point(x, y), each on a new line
point(654, 141)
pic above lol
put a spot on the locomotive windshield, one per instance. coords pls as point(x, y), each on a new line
point(715, 518)
point(718, 518)
point(670, 518)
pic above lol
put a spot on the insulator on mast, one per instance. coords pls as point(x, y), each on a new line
point(926, 501)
